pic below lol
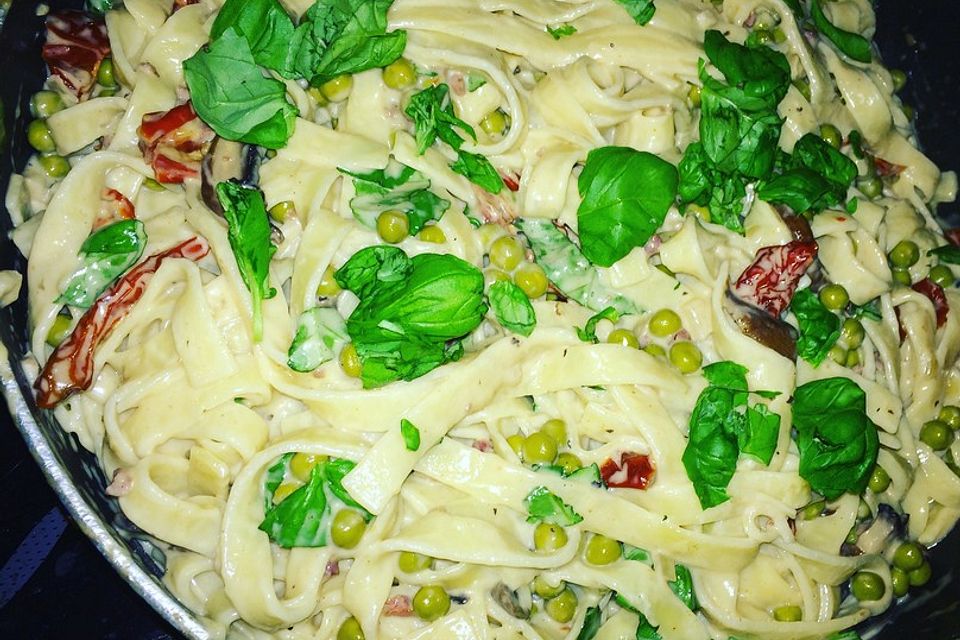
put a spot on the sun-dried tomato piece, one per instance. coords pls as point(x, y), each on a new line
point(936, 295)
point(770, 282)
point(511, 180)
point(887, 169)
point(173, 142)
point(70, 367)
point(125, 208)
point(156, 124)
point(76, 44)
point(635, 471)
point(170, 171)
point(953, 236)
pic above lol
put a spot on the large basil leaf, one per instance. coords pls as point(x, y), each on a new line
point(819, 327)
point(512, 307)
point(814, 177)
point(231, 94)
point(396, 187)
point(264, 24)
point(838, 443)
point(373, 267)
point(850, 44)
point(625, 197)
point(478, 170)
point(319, 330)
point(107, 254)
point(302, 518)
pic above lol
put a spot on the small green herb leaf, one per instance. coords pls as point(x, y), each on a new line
point(319, 330)
point(562, 31)
point(249, 235)
point(107, 254)
point(543, 506)
point(433, 117)
point(301, 519)
point(853, 45)
point(478, 170)
point(760, 434)
point(640, 10)
point(411, 435)
point(512, 307)
point(948, 253)
point(591, 624)
point(816, 176)
point(819, 327)
point(274, 478)
point(372, 268)
point(683, 587)
point(589, 332)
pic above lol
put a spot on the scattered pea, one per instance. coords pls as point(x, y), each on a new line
point(337, 89)
point(921, 575)
point(393, 226)
point(283, 491)
point(951, 415)
point(788, 613)
point(282, 210)
point(834, 297)
point(623, 337)
point(412, 562)
point(908, 556)
point(803, 86)
point(506, 252)
point(317, 95)
point(302, 464)
point(46, 103)
point(539, 448)
point(655, 350)
point(549, 537)
point(54, 166)
point(328, 286)
point(569, 462)
point(105, 73)
point(936, 434)
point(431, 602)
point(902, 276)
point(871, 187)
point(563, 607)
point(665, 322)
point(813, 510)
point(602, 550)
point(546, 590)
point(432, 233)
point(350, 361)
point(556, 429)
point(399, 74)
point(685, 356)
point(350, 630)
point(779, 37)
point(905, 254)
point(879, 479)
point(59, 330)
point(838, 354)
point(492, 275)
point(347, 528)
point(899, 581)
point(531, 279)
point(494, 123)
point(942, 275)
point(853, 358)
point(899, 78)
point(693, 95)
point(831, 135)
point(908, 112)
point(516, 443)
point(867, 586)
point(40, 137)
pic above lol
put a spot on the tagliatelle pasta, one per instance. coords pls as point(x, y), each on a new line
point(499, 318)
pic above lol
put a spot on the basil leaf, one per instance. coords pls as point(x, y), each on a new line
point(760, 434)
point(640, 10)
point(727, 375)
point(816, 176)
point(396, 187)
point(852, 45)
point(758, 77)
point(683, 587)
point(636, 554)
point(319, 330)
point(838, 443)
point(433, 116)
point(478, 170)
point(274, 479)
point(373, 267)
point(568, 269)
point(626, 195)
point(266, 27)
point(230, 94)
point(249, 235)
point(562, 31)
point(475, 81)
point(412, 319)
point(869, 310)
point(102, 6)
point(107, 254)
point(589, 332)
point(411, 435)
point(302, 518)
point(543, 506)
point(512, 307)
point(587, 475)
point(591, 624)
point(645, 630)
point(333, 472)
point(819, 327)
point(702, 183)
point(948, 253)
point(844, 635)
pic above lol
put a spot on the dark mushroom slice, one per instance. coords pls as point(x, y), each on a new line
point(798, 225)
point(226, 160)
point(508, 601)
point(761, 326)
point(886, 526)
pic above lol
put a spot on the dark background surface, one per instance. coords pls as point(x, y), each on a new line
point(53, 583)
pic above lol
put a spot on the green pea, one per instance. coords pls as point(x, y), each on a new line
point(45, 103)
point(350, 361)
point(399, 74)
point(788, 613)
point(602, 550)
point(563, 607)
point(282, 210)
point(539, 448)
point(432, 233)
point(105, 73)
point(693, 95)
point(908, 556)
point(54, 166)
point(302, 464)
point(59, 330)
point(838, 354)
point(556, 429)
point(494, 123)
point(685, 356)
point(879, 479)
point(853, 359)
point(492, 275)
point(347, 528)
point(549, 537)
point(283, 491)
point(908, 112)
point(506, 252)
point(834, 297)
point(328, 286)
point(431, 602)
point(655, 350)
point(871, 187)
point(393, 226)
point(412, 562)
point(942, 275)
point(40, 137)
point(936, 434)
point(902, 276)
point(905, 254)
point(569, 462)
point(899, 78)
point(350, 630)
point(546, 590)
point(899, 582)
point(867, 586)
point(317, 95)
point(831, 135)
point(623, 337)
point(951, 415)
point(516, 443)
point(531, 279)
point(779, 36)
point(699, 211)
point(853, 536)
point(803, 86)
point(665, 322)
point(863, 510)
point(921, 575)
point(762, 36)
point(852, 333)
point(813, 510)
point(337, 89)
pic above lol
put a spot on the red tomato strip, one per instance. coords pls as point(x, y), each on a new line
point(953, 236)
point(70, 367)
point(170, 171)
point(887, 169)
point(157, 124)
point(770, 282)
point(635, 471)
point(935, 292)
point(125, 208)
point(76, 44)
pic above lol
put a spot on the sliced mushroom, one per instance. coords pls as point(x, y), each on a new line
point(508, 600)
point(761, 326)
point(798, 225)
point(226, 160)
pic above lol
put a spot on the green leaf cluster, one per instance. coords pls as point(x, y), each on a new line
point(819, 327)
point(396, 187)
point(853, 45)
point(625, 197)
point(838, 443)
point(303, 518)
point(319, 330)
point(433, 117)
point(413, 312)
point(814, 177)
point(544, 506)
point(106, 255)
point(249, 236)
point(512, 307)
point(722, 426)
point(589, 331)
